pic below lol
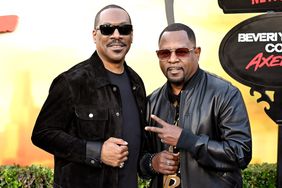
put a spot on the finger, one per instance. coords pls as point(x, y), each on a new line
point(171, 157)
point(173, 163)
point(171, 153)
point(124, 159)
point(176, 156)
point(118, 141)
point(124, 154)
point(121, 157)
point(153, 129)
point(167, 155)
point(158, 120)
point(123, 148)
point(168, 169)
point(165, 158)
point(167, 164)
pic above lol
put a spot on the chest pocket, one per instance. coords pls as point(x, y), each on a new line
point(92, 122)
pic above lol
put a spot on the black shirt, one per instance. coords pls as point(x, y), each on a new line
point(131, 131)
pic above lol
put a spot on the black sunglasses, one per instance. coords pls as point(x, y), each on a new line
point(179, 52)
point(108, 29)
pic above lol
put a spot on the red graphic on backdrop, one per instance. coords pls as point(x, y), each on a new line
point(259, 61)
point(244, 6)
point(264, 1)
point(8, 23)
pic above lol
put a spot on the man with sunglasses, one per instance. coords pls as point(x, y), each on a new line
point(93, 118)
point(199, 133)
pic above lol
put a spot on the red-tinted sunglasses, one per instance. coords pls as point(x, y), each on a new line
point(165, 54)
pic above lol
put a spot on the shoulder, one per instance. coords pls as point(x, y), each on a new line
point(157, 92)
point(73, 74)
point(219, 83)
point(78, 70)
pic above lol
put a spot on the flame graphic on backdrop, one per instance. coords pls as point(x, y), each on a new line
point(23, 114)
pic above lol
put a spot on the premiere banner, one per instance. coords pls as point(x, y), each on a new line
point(251, 52)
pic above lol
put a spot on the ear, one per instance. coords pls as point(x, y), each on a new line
point(131, 35)
point(197, 51)
point(94, 34)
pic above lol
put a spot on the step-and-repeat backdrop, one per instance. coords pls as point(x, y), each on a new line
point(51, 36)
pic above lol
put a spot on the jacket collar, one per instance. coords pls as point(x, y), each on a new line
point(187, 85)
point(100, 72)
point(194, 80)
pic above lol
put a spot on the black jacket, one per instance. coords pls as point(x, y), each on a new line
point(82, 111)
point(216, 141)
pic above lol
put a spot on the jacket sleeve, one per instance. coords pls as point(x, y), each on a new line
point(52, 128)
point(145, 168)
point(232, 148)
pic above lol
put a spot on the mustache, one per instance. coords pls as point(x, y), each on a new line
point(116, 43)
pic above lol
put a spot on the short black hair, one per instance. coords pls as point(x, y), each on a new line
point(97, 17)
point(180, 27)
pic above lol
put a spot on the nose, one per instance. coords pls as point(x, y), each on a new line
point(115, 34)
point(173, 58)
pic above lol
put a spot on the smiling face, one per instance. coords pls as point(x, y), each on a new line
point(178, 69)
point(112, 48)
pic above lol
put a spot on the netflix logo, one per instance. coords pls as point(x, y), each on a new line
point(255, 2)
point(246, 6)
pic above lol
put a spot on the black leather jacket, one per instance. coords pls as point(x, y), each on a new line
point(215, 143)
point(82, 111)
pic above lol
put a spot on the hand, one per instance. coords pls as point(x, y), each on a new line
point(114, 152)
point(166, 162)
point(169, 134)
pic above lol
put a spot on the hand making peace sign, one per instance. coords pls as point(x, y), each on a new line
point(168, 133)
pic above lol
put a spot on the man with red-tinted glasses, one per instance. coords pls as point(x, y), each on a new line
point(199, 134)
point(94, 114)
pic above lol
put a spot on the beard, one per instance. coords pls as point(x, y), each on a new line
point(176, 81)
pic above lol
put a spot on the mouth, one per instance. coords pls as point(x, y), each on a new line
point(116, 45)
point(174, 70)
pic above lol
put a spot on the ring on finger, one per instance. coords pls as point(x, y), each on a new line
point(121, 165)
point(168, 163)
